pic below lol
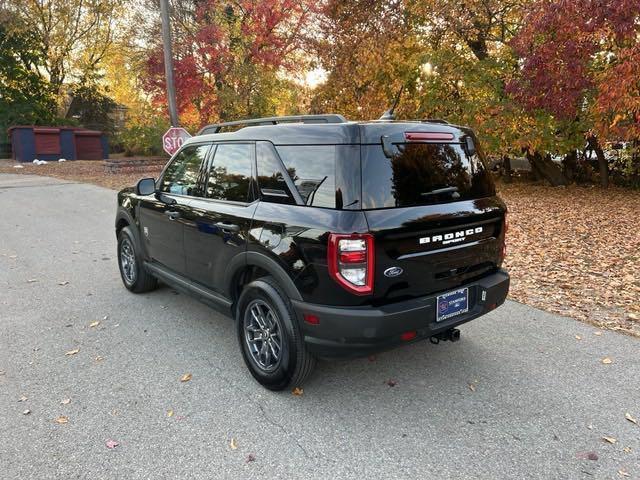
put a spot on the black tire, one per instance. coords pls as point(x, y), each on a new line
point(134, 276)
point(294, 363)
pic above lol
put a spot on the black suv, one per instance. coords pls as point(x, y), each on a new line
point(322, 237)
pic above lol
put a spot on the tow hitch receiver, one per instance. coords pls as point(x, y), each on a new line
point(451, 335)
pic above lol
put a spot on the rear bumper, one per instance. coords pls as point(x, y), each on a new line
point(359, 331)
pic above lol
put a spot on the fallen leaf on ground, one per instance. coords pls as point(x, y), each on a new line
point(62, 284)
point(472, 387)
point(607, 360)
point(99, 358)
point(587, 455)
point(62, 419)
point(610, 439)
point(186, 377)
point(23, 399)
point(251, 458)
point(111, 444)
point(94, 324)
point(105, 317)
point(598, 333)
point(633, 316)
point(298, 392)
point(578, 337)
point(626, 449)
point(72, 352)
point(26, 412)
point(32, 280)
point(233, 444)
point(66, 401)
point(170, 413)
point(630, 418)
point(623, 473)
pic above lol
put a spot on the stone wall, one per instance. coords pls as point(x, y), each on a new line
point(134, 164)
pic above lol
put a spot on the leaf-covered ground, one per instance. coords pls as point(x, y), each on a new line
point(85, 171)
point(573, 251)
point(576, 251)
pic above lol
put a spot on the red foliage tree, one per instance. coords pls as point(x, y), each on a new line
point(563, 45)
point(578, 60)
point(232, 57)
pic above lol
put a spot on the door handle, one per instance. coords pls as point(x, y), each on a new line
point(172, 214)
point(229, 227)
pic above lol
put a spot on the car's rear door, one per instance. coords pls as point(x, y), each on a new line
point(162, 215)
point(218, 221)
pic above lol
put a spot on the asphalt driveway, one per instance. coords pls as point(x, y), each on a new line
point(524, 394)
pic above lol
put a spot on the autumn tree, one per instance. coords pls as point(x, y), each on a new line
point(370, 54)
point(233, 59)
point(579, 63)
point(72, 35)
point(25, 97)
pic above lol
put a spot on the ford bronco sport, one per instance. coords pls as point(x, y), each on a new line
point(322, 237)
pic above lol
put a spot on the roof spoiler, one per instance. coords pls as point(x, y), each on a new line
point(329, 118)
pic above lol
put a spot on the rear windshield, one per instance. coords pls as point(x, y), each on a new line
point(422, 174)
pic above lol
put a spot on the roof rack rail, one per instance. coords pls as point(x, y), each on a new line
point(329, 118)
point(434, 120)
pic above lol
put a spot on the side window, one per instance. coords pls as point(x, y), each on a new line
point(271, 175)
point(312, 169)
point(230, 173)
point(181, 176)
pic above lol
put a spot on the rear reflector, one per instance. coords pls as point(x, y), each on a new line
point(427, 136)
point(311, 319)
point(407, 336)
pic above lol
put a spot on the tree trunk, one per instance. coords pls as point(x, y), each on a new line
point(569, 165)
point(506, 169)
point(602, 161)
point(544, 167)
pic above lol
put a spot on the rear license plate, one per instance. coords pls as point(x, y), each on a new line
point(452, 304)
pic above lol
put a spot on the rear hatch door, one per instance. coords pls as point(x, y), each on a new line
point(431, 205)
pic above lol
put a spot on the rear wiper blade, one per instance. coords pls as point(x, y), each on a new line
point(438, 191)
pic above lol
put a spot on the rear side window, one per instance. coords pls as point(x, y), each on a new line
point(230, 172)
point(422, 174)
point(182, 174)
point(312, 170)
point(271, 175)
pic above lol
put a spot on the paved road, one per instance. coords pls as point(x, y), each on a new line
point(541, 404)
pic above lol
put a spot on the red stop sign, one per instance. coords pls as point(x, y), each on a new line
point(173, 139)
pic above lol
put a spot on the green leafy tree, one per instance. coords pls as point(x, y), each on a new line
point(25, 97)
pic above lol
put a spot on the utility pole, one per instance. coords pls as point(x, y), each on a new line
point(168, 62)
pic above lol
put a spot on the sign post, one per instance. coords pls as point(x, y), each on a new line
point(173, 139)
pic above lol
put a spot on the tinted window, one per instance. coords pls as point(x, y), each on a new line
point(181, 176)
point(422, 174)
point(230, 174)
point(271, 175)
point(312, 169)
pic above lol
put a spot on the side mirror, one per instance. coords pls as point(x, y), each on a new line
point(146, 186)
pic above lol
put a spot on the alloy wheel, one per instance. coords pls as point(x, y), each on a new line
point(263, 335)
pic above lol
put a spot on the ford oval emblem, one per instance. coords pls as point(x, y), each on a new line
point(393, 272)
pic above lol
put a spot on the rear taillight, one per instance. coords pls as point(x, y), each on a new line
point(351, 261)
